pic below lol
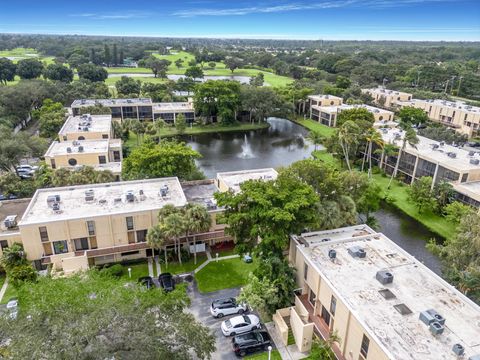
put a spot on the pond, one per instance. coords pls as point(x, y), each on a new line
point(409, 234)
point(283, 143)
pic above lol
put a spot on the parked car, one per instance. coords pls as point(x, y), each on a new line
point(27, 168)
point(473, 144)
point(250, 342)
point(25, 173)
point(240, 324)
point(166, 281)
point(8, 197)
point(147, 281)
point(228, 306)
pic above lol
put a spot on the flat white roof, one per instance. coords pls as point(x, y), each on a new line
point(471, 189)
point(110, 198)
point(425, 149)
point(169, 107)
point(324, 97)
point(233, 179)
point(89, 147)
point(112, 102)
point(339, 108)
point(383, 91)
point(354, 281)
point(454, 105)
point(87, 123)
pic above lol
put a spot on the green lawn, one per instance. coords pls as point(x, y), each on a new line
point(223, 274)
point(264, 356)
point(325, 130)
point(328, 158)
point(113, 80)
point(398, 197)
point(138, 270)
point(2, 280)
point(9, 294)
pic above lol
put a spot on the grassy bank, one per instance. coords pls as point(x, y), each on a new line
point(313, 125)
point(397, 196)
point(169, 131)
point(326, 157)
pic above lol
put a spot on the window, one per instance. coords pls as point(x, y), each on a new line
point(64, 138)
point(3, 244)
point(60, 247)
point(129, 220)
point(47, 249)
point(102, 159)
point(130, 253)
point(81, 138)
point(91, 227)
point(364, 347)
point(131, 237)
point(116, 156)
point(52, 163)
point(333, 306)
point(141, 235)
point(312, 297)
point(43, 233)
point(305, 271)
point(81, 244)
point(464, 177)
point(72, 162)
point(104, 136)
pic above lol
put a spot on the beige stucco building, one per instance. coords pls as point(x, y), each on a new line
point(75, 227)
point(322, 100)
point(380, 301)
point(103, 154)
point(328, 115)
point(387, 98)
point(458, 115)
point(86, 127)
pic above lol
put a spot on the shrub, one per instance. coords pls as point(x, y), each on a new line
point(22, 273)
point(116, 270)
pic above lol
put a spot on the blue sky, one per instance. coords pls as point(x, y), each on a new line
point(285, 19)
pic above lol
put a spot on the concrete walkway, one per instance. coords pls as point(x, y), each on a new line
point(289, 352)
point(3, 289)
point(210, 259)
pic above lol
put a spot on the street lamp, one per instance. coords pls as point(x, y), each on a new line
point(130, 273)
point(269, 352)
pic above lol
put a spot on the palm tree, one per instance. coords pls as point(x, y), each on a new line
point(159, 125)
point(411, 138)
point(197, 219)
point(174, 227)
point(372, 137)
point(387, 151)
point(138, 129)
point(157, 238)
point(316, 138)
point(348, 135)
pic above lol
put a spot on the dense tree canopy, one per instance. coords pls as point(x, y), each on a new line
point(29, 68)
point(217, 99)
point(7, 70)
point(58, 72)
point(92, 72)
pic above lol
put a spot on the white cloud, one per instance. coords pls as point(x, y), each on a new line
point(127, 14)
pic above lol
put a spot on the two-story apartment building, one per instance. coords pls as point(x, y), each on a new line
point(86, 127)
point(322, 100)
point(169, 111)
point(455, 114)
point(387, 98)
point(103, 154)
point(381, 302)
point(75, 227)
point(328, 115)
point(429, 158)
point(137, 108)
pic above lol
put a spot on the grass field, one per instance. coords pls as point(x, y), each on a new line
point(25, 53)
point(326, 157)
point(397, 196)
point(11, 293)
point(313, 125)
point(264, 356)
point(223, 274)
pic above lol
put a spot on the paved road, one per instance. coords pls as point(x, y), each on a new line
point(200, 308)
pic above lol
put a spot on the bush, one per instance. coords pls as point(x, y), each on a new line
point(114, 270)
point(22, 273)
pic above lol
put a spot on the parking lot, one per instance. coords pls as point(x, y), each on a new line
point(200, 307)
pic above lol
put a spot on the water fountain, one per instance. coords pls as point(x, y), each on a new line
point(246, 150)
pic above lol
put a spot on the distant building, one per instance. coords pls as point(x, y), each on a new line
point(169, 112)
point(328, 115)
point(86, 127)
point(468, 193)
point(231, 180)
point(381, 301)
point(387, 98)
point(457, 115)
point(322, 100)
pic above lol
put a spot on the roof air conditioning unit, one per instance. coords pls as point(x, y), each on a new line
point(452, 155)
point(357, 251)
point(436, 328)
point(384, 277)
point(474, 161)
point(130, 197)
point(69, 149)
point(471, 153)
point(89, 195)
point(85, 128)
point(80, 149)
point(435, 146)
point(75, 143)
point(52, 199)
point(430, 316)
point(442, 143)
point(117, 200)
point(332, 254)
point(458, 349)
point(164, 191)
point(56, 207)
point(10, 221)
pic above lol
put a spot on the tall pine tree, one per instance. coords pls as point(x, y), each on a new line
point(106, 55)
point(115, 55)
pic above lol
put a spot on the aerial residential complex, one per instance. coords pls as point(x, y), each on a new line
point(86, 127)
point(75, 227)
point(458, 115)
point(387, 98)
point(139, 108)
point(381, 301)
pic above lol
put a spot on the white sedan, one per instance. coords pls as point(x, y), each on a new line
point(240, 324)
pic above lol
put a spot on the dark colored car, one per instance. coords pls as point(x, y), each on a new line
point(250, 342)
point(166, 281)
point(147, 281)
point(8, 197)
point(473, 144)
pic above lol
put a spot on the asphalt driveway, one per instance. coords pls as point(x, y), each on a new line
point(200, 307)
